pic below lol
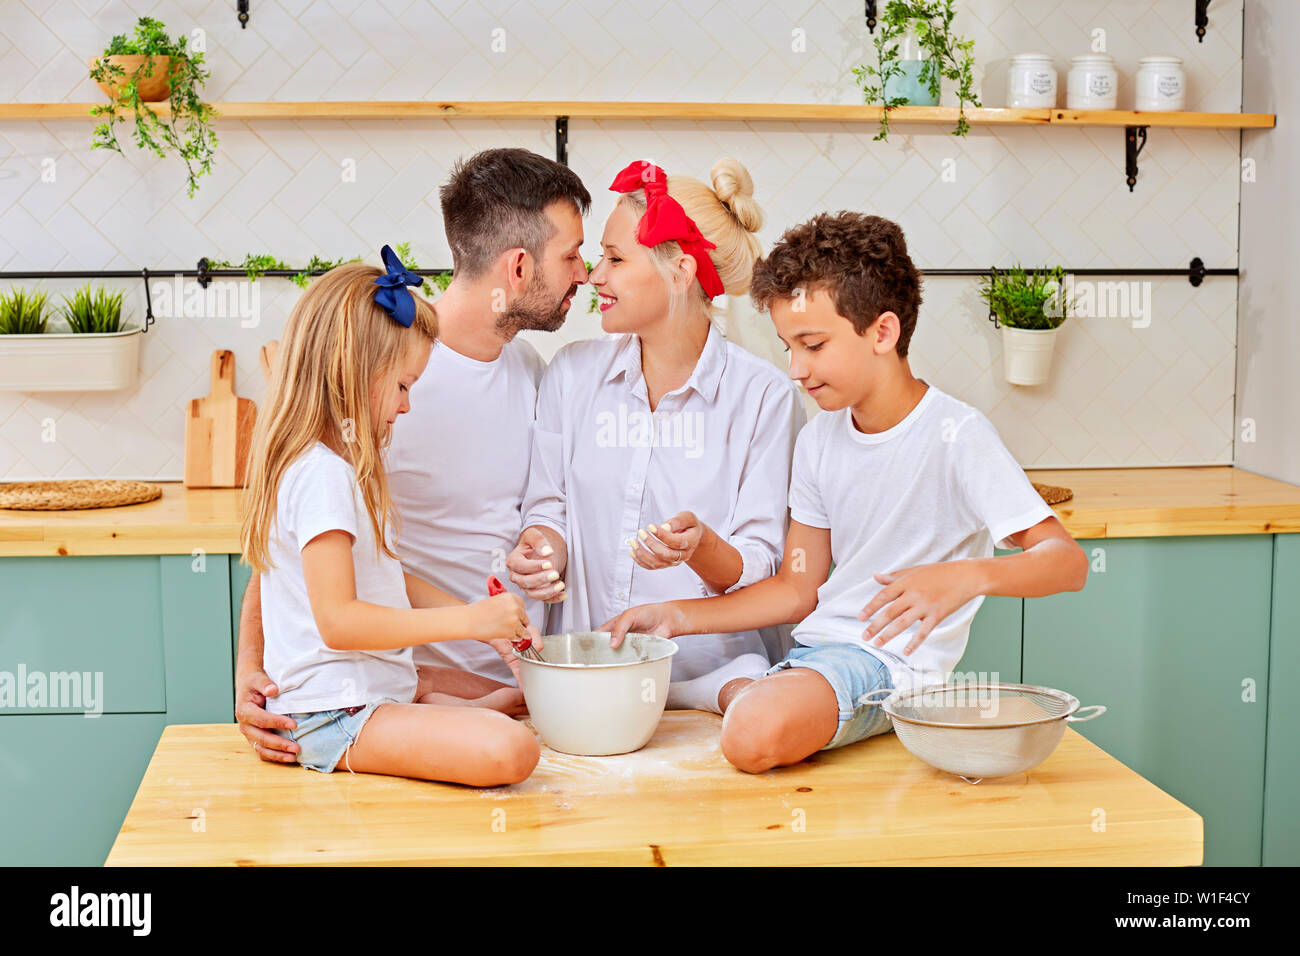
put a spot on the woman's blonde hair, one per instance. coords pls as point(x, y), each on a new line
point(337, 343)
point(726, 215)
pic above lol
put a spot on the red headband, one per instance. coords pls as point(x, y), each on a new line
point(665, 220)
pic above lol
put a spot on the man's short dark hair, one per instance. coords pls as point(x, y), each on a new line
point(860, 261)
point(494, 201)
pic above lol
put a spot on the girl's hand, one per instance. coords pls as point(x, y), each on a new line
point(500, 618)
point(533, 567)
point(669, 544)
point(927, 593)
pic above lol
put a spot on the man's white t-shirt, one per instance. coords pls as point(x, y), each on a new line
point(938, 486)
point(457, 471)
point(318, 493)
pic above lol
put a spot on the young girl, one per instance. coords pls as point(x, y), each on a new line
point(661, 453)
point(339, 613)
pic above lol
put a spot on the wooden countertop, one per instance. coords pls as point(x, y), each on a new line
point(675, 802)
point(1107, 503)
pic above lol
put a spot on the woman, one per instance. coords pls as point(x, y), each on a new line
point(661, 453)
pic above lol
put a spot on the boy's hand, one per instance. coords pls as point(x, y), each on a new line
point(668, 544)
point(662, 620)
point(532, 567)
point(927, 593)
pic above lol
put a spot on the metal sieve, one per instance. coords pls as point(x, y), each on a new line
point(980, 729)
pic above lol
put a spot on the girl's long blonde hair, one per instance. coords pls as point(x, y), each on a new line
point(337, 343)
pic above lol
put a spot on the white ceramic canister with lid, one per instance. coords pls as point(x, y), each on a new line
point(1161, 84)
point(1092, 83)
point(1031, 82)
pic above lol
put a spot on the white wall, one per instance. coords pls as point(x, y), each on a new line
point(1268, 391)
point(1119, 396)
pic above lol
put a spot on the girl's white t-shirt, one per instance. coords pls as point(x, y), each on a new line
point(938, 486)
point(318, 493)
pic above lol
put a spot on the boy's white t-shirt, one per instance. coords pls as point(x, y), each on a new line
point(318, 493)
point(457, 471)
point(938, 486)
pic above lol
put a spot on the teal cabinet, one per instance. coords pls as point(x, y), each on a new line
point(1172, 636)
point(993, 648)
point(98, 618)
point(153, 631)
point(68, 783)
point(1282, 753)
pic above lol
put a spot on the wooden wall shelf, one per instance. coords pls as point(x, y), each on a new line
point(1134, 122)
point(781, 112)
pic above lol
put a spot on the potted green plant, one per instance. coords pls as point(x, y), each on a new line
point(97, 352)
point(916, 50)
point(1029, 307)
point(150, 67)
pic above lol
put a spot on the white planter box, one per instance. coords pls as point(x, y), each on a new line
point(69, 361)
point(1027, 354)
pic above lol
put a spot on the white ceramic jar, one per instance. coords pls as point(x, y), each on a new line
point(1092, 83)
point(1031, 82)
point(1161, 84)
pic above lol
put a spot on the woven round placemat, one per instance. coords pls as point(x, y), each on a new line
point(1053, 494)
point(75, 495)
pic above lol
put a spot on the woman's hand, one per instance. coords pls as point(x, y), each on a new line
point(537, 567)
point(669, 544)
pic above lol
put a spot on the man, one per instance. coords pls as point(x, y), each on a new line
point(458, 464)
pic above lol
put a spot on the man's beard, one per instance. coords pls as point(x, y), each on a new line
point(535, 310)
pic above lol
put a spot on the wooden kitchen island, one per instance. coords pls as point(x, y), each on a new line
point(207, 800)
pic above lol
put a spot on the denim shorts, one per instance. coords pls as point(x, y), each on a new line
point(851, 672)
point(324, 735)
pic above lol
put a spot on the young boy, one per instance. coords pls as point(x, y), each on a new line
point(905, 488)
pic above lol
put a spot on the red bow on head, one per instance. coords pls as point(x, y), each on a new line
point(665, 220)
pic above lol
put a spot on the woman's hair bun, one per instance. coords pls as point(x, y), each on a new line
point(735, 188)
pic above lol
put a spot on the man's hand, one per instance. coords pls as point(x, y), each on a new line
point(668, 544)
point(252, 688)
point(662, 620)
point(927, 593)
point(533, 567)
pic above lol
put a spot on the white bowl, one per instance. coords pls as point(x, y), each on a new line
point(588, 699)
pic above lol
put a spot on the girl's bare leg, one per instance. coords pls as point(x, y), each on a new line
point(469, 745)
point(455, 682)
point(778, 720)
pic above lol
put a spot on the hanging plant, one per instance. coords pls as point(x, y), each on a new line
point(949, 57)
point(256, 266)
point(150, 67)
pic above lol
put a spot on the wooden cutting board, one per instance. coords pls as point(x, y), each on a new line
point(219, 431)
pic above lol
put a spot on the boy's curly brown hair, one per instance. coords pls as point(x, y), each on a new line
point(860, 261)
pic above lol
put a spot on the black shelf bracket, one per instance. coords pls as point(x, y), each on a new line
point(1132, 149)
point(562, 140)
point(1196, 272)
point(203, 275)
point(1202, 19)
point(148, 301)
point(871, 15)
point(243, 14)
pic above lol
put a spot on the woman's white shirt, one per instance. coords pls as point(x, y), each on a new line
point(603, 466)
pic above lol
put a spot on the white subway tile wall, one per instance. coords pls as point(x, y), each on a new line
point(1119, 394)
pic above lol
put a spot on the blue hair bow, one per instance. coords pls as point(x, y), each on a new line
point(393, 296)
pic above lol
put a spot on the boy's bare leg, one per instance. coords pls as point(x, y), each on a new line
point(778, 720)
point(469, 745)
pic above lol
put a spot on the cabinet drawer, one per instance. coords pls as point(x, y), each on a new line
point(96, 616)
